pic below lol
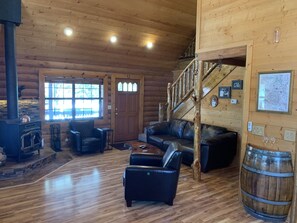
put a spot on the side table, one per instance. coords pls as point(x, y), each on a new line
point(109, 138)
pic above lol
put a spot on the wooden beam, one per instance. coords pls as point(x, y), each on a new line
point(197, 123)
point(238, 51)
point(198, 24)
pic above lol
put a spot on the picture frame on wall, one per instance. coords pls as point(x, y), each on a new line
point(225, 92)
point(237, 84)
point(274, 92)
point(214, 101)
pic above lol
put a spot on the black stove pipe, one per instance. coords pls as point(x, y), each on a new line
point(11, 71)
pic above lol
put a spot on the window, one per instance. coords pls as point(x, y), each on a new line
point(72, 99)
point(127, 87)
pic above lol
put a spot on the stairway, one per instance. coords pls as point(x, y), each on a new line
point(212, 78)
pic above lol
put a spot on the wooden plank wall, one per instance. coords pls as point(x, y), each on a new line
point(155, 87)
point(224, 22)
point(225, 114)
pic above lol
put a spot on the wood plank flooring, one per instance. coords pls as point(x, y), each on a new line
point(89, 189)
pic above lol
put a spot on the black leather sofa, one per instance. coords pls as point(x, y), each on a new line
point(218, 145)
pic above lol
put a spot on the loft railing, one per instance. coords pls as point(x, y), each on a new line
point(190, 51)
point(183, 87)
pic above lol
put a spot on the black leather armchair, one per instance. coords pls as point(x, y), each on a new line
point(157, 180)
point(85, 138)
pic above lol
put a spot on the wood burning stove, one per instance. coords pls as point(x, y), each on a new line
point(20, 140)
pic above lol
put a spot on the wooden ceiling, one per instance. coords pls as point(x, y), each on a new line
point(170, 24)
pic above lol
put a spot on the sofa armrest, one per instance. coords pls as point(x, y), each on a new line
point(225, 140)
point(146, 159)
point(75, 134)
point(75, 140)
point(98, 133)
point(161, 128)
point(101, 134)
point(218, 151)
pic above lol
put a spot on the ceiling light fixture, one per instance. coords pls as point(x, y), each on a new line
point(68, 31)
point(113, 39)
point(149, 45)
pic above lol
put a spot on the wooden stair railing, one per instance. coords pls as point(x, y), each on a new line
point(210, 81)
point(183, 87)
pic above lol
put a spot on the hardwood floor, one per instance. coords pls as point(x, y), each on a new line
point(89, 189)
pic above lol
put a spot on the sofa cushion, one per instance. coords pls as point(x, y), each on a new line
point(183, 142)
point(157, 140)
point(91, 141)
point(188, 132)
point(90, 144)
point(177, 128)
point(161, 128)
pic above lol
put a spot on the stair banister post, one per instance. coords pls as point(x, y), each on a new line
point(197, 122)
point(161, 112)
point(169, 102)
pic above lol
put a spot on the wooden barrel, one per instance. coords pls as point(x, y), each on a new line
point(267, 183)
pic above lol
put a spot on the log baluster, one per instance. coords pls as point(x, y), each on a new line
point(184, 84)
point(169, 101)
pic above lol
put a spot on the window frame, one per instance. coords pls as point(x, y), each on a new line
point(43, 73)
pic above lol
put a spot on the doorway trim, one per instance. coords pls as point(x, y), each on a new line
point(140, 78)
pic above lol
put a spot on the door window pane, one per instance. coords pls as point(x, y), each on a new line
point(130, 87)
point(135, 87)
point(120, 86)
point(125, 87)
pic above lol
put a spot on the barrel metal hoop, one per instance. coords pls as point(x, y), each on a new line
point(267, 173)
point(279, 203)
point(265, 217)
point(278, 154)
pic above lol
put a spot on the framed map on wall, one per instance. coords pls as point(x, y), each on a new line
point(274, 92)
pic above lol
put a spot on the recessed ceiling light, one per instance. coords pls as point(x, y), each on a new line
point(149, 45)
point(113, 39)
point(68, 31)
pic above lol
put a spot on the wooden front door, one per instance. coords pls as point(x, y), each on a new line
point(127, 92)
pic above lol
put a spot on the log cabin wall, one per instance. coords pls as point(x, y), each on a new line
point(225, 22)
point(155, 87)
point(41, 44)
